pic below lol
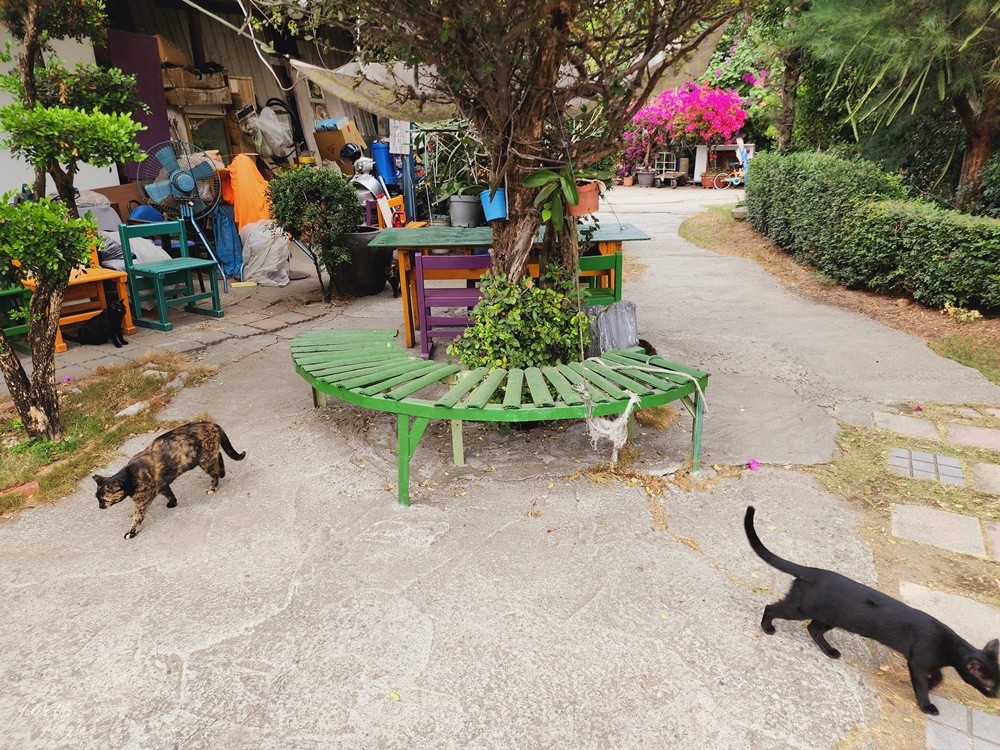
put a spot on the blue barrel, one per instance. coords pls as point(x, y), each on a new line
point(384, 162)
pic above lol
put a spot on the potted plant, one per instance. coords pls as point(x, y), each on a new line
point(566, 193)
point(320, 208)
point(456, 167)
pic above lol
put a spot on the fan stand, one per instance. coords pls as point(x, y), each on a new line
point(187, 213)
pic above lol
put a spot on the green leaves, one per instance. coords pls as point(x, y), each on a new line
point(558, 189)
point(523, 325)
point(43, 239)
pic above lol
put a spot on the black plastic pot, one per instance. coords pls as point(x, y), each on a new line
point(366, 272)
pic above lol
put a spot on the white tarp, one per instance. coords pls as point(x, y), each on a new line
point(387, 91)
point(266, 251)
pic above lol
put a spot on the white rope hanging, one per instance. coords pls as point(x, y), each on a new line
point(616, 430)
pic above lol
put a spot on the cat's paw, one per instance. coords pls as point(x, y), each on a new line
point(833, 653)
point(117, 345)
point(930, 709)
point(210, 491)
point(131, 533)
point(769, 629)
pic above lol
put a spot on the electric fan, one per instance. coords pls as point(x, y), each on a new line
point(182, 181)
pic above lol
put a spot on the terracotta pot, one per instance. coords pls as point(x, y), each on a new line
point(589, 198)
point(628, 181)
point(706, 179)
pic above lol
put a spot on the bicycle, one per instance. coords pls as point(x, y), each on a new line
point(726, 180)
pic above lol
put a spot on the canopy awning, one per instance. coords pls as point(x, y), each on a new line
point(394, 92)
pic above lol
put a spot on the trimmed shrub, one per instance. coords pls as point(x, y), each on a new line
point(851, 221)
point(931, 254)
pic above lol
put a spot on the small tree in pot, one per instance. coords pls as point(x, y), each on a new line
point(320, 208)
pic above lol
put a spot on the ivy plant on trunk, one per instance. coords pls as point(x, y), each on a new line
point(58, 120)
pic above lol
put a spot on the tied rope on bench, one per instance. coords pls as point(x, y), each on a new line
point(616, 430)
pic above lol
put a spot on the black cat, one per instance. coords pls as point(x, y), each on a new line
point(830, 600)
point(392, 276)
point(105, 326)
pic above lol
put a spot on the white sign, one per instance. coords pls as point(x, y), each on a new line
point(399, 137)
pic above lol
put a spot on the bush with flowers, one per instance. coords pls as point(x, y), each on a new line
point(689, 113)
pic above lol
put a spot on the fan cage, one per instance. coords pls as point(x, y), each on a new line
point(166, 171)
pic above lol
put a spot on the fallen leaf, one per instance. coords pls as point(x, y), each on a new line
point(771, 527)
point(664, 616)
point(754, 575)
point(394, 695)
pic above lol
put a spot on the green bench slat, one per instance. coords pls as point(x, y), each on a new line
point(595, 379)
point(469, 381)
point(377, 375)
point(632, 357)
point(540, 395)
point(388, 380)
point(353, 368)
point(621, 378)
point(562, 386)
point(515, 383)
point(577, 380)
point(479, 397)
point(661, 378)
point(413, 386)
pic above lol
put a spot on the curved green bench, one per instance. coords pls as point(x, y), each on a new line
point(367, 368)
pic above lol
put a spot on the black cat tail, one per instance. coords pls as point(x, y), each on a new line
point(785, 566)
point(228, 447)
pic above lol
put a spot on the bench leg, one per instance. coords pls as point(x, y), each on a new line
point(407, 439)
point(698, 414)
point(319, 399)
point(457, 443)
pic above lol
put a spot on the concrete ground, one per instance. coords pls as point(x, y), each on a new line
point(512, 605)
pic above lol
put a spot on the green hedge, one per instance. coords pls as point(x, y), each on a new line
point(852, 222)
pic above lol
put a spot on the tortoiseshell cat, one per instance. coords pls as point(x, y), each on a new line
point(829, 600)
point(171, 454)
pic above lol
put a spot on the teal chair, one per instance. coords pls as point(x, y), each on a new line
point(601, 278)
point(167, 283)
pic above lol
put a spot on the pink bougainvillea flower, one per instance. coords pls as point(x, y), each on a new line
point(918, 407)
point(67, 378)
point(753, 464)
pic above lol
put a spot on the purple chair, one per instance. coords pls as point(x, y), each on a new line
point(463, 268)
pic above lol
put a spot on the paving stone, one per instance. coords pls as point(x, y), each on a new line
point(291, 318)
point(919, 465)
point(978, 743)
point(993, 530)
point(994, 412)
point(268, 324)
point(904, 425)
point(240, 332)
point(211, 338)
point(953, 714)
point(978, 623)
point(134, 409)
point(968, 411)
point(982, 437)
point(985, 726)
point(254, 303)
point(940, 737)
point(986, 478)
point(940, 528)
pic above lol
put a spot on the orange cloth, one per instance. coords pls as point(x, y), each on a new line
point(245, 187)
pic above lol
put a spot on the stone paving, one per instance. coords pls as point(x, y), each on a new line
point(958, 727)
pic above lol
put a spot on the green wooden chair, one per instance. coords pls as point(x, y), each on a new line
point(13, 299)
point(167, 283)
point(601, 278)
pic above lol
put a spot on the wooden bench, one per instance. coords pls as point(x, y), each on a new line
point(367, 368)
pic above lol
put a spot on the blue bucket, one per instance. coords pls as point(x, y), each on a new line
point(384, 162)
point(495, 207)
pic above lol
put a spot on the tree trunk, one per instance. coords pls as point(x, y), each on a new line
point(982, 133)
point(36, 399)
point(792, 60)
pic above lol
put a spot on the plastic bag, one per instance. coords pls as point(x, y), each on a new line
point(266, 251)
point(277, 134)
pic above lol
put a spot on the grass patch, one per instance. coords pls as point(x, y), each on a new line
point(92, 433)
point(971, 352)
point(862, 474)
point(709, 229)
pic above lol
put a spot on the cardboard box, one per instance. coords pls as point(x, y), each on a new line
point(241, 87)
point(329, 143)
point(170, 53)
point(181, 78)
point(198, 97)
